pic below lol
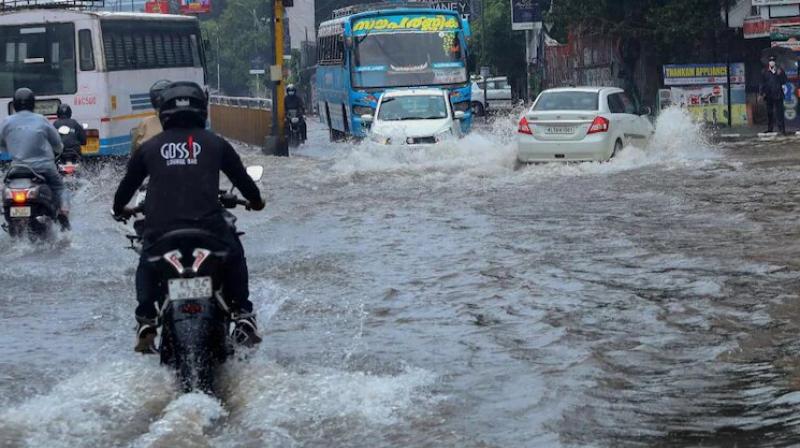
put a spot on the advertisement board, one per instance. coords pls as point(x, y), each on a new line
point(774, 2)
point(195, 6)
point(524, 13)
point(700, 74)
point(157, 7)
point(707, 103)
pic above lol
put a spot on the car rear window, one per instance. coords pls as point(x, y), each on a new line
point(567, 101)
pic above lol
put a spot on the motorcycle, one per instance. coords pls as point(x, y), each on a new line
point(194, 320)
point(69, 161)
point(294, 131)
point(27, 204)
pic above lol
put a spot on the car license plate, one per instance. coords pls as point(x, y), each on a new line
point(189, 288)
point(20, 212)
point(560, 130)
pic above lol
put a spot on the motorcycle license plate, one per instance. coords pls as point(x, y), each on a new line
point(20, 212)
point(189, 288)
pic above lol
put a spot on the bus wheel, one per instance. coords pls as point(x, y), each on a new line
point(336, 136)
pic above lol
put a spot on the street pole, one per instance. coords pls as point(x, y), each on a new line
point(483, 61)
point(219, 55)
point(728, 59)
point(276, 142)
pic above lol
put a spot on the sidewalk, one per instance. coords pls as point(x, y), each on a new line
point(723, 133)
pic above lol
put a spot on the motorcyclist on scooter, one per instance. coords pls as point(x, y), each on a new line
point(293, 101)
point(183, 164)
point(150, 126)
point(33, 142)
point(73, 136)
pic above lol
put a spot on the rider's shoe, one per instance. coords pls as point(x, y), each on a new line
point(63, 220)
point(245, 330)
point(146, 336)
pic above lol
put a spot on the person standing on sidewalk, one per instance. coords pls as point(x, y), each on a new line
point(772, 81)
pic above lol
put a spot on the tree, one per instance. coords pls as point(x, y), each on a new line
point(671, 27)
point(243, 34)
point(505, 49)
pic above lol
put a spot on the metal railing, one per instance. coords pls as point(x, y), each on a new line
point(240, 101)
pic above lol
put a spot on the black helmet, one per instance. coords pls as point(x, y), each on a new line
point(183, 104)
point(155, 92)
point(291, 89)
point(24, 99)
point(64, 111)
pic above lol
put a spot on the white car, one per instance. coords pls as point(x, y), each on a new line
point(498, 90)
point(414, 117)
point(581, 124)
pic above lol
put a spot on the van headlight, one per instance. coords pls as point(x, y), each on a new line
point(447, 134)
point(380, 139)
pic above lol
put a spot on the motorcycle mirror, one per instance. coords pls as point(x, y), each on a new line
point(64, 130)
point(255, 172)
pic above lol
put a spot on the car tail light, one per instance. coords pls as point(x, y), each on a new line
point(19, 196)
point(600, 124)
point(524, 128)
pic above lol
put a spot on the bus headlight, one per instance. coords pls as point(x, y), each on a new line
point(363, 110)
point(462, 106)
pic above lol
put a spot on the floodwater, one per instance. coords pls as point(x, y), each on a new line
point(445, 297)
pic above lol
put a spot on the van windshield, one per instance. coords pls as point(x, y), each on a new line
point(38, 56)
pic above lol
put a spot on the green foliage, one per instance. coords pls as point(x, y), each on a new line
point(672, 26)
point(243, 33)
point(505, 49)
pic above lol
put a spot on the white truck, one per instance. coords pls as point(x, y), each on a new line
point(498, 91)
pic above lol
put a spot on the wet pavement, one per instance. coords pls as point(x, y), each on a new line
point(445, 297)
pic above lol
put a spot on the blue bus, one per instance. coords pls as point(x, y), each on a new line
point(361, 54)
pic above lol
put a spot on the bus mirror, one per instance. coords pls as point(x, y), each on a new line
point(366, 119)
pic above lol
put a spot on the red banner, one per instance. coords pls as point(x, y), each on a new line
point(157, 7)
point(195, 6)
point(755, 27)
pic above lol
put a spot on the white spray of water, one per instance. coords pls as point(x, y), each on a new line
point(184, 422)
point(491, 151)
point(97, 407)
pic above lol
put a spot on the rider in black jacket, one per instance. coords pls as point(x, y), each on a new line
point(183, 164)
point(73, 138)
point(293, 101)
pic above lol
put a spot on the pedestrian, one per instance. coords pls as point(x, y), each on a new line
point(772, 81)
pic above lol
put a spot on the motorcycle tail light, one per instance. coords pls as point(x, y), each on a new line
point(19, 196)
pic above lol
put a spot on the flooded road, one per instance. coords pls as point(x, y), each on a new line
point(445, 297)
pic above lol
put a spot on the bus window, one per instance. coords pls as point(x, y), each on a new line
point(86, 50)
point(134, 45)
point(40, 57)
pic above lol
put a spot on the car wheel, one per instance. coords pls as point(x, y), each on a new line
point(617, 149)
point(477, 109)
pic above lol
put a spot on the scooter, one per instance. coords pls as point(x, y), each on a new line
point(27, 204)
point(194, 320)
point(294, 132)
point(69, 161)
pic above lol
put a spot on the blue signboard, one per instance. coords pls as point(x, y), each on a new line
point(524, 13)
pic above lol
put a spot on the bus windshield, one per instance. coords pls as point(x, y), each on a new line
point(404, 59)
point(40, 57)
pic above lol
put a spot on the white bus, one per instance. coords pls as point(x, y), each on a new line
point(100, 63)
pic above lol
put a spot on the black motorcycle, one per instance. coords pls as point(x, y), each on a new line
point(294, 130)
point(27, 204)
point(194, 320)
